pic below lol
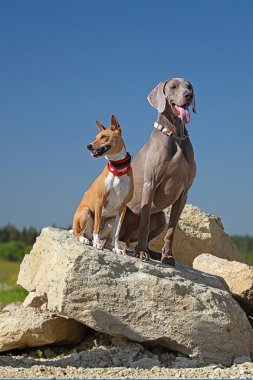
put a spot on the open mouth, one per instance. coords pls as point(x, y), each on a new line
point(99, 152)
point(182, 112)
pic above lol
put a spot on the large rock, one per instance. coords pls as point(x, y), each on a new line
point(30, 327)
point(180, 308)
point(197, 233)
point(238, 276)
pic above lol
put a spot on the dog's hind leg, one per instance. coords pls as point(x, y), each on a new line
point(130, 227)
point(156, 226)
point(176, 210)
point(106, 234)
point(83, 225)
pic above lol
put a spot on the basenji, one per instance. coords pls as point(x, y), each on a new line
point(101, 211)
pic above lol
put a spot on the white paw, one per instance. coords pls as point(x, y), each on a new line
point(71, 232)
point(118, 250)
point(96, 242)
point(84, 240)
point(97, 245)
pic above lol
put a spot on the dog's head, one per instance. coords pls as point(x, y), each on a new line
point(108, 141)
point(174, 95)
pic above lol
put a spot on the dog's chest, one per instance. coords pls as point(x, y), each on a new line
point(118, 188)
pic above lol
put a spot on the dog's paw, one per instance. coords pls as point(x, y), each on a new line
point(143, 255)
point(84, 240)
point(168, 260)
point(120, 247)
point(118, 250)
point(96, 242)
point(97, 245)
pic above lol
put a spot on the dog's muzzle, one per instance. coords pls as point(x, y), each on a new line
point(98, 152)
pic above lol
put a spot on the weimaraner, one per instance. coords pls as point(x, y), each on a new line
point(163, 170)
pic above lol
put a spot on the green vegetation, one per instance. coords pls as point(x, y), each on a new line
point(40, 354)
point(14, 250)
point(10, 233)
point(9, 291)
point(14, 245)
point(245, 245)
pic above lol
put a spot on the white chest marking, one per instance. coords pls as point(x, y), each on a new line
point(118, 188)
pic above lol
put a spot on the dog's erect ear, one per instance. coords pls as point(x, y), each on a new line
point(157, 97)
point(114, 124)
point(194, 104)
point(100, 126)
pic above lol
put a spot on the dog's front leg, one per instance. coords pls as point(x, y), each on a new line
point(97, 226)
point(147, 198)
point(119, 220)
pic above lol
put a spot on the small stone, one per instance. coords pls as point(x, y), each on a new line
point(116, 362)
point(181, 355)
point(10, 307)
point(165, 358)
point(119, 341)
point(242, 359)
point(34, 300)
point(75, 356)
point(182, 362)
point(146, 363)
point(49, 353)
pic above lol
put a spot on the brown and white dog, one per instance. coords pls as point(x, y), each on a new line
point(102, 209)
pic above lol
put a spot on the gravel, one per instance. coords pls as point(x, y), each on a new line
point(101, 356)
point(19, 367)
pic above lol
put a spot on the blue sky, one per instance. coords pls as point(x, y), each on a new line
point(65, 64)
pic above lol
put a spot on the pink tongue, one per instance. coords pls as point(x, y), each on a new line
point(184, 114)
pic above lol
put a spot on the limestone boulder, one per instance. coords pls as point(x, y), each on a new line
point(30, 327)
point(180, 308)
point(198, 232)
point(238, 276)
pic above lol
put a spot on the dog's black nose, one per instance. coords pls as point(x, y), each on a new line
point(89, 146)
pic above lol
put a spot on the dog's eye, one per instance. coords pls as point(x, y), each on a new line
point(103, 137)
point(173, 87)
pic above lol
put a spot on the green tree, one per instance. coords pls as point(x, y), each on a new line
point(11, 233)
point(14, 250)
point(245, 245)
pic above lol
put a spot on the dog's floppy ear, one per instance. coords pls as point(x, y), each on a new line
point(114, 124)
point(157, 97)
point(100, 126)
point(194, 104)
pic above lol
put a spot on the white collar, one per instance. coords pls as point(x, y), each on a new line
point(162, 129)
point(169, 133)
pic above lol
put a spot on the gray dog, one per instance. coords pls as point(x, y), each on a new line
point(163, 170)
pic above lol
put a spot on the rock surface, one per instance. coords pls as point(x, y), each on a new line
point(238, 276)
point(29, 327)
point(197, 233)
point(179, 308)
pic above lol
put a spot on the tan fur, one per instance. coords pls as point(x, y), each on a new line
point(97, 197)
